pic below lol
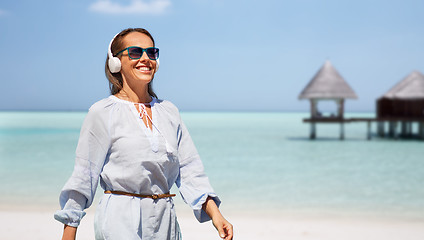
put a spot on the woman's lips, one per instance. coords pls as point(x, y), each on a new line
point(144, 69)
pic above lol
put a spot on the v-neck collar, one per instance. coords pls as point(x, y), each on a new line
point(151, 134)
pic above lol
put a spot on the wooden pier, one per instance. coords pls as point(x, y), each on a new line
point(399, 108)
point(397, 127)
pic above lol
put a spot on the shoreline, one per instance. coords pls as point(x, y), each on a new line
point(380, 215)
point(253, 211)
point(31, 223)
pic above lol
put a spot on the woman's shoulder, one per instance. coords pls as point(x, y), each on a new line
point(98, 114)
point(101, 107)
point(101, 104)
point(168, 106)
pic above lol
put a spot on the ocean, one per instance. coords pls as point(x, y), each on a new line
point(256, 162)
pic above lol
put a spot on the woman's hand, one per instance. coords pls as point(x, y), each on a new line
point(224, 228)
point(69, 233)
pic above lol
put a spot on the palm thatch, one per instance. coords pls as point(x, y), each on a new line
point(411, 87)
point(327, 84)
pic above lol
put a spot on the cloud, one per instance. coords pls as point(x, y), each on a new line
point(148, 7)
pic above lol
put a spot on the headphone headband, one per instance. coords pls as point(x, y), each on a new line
point(109, 51)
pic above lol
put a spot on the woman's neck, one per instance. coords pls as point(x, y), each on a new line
point(141, 96)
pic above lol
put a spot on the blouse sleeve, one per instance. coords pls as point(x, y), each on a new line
point(79, 190)
point(192, 181)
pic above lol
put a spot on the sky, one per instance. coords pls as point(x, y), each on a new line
point(216, 55)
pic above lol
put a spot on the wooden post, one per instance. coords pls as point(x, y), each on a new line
point(409, 128)
point(340, 104)
point(421, 130)
point(369, 130)
point(403, 129)
point(314, 110)
point(392, 126)
point(312, 134)
point(380, 128)
point(341, 130)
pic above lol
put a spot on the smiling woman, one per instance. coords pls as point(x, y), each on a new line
point(115, 77)
point(137, 147)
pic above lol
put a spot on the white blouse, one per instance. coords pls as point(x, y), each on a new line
point(116, 146)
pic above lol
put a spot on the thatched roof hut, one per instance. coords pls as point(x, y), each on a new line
point(411, 87)
point(327, 84)
point(405, 99)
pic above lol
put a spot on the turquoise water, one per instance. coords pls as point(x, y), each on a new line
point(255, 161)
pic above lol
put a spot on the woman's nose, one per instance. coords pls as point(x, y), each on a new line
point(144, 56)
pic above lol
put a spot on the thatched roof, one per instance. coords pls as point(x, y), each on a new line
point(327, 84)
point(411, 87)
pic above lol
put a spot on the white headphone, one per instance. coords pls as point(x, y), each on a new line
point(114, 63)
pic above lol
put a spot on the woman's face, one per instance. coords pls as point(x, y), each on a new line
point(136, 71)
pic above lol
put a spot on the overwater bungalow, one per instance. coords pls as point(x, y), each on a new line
point(401, 108)
point(403, 105)
point(327, 85)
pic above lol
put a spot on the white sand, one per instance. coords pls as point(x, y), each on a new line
point(39, 224)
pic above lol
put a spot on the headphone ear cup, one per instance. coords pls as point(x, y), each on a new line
point(114, 64)
point(157, 65)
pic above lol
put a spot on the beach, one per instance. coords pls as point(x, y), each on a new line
point(273, 181)
point(40, 225)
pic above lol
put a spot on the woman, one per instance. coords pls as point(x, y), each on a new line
point(138, 147)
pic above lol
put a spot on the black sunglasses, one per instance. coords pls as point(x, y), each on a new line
point(135, 52)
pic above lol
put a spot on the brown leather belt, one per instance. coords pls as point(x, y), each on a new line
point(154, 196)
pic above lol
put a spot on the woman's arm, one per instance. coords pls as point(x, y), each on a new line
point(69, 233)
point(225, 229)
point(78, 192)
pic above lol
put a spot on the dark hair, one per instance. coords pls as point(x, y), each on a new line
point(115, 79)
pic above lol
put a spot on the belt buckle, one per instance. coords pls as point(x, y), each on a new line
point(155, 196)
